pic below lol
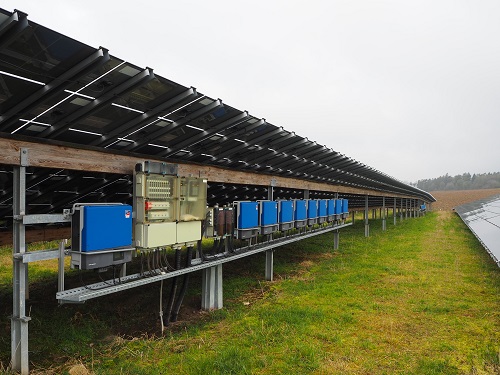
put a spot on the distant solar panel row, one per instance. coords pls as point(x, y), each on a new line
point(483, 219)
point(55, 88)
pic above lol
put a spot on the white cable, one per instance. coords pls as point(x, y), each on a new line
point(161, 307)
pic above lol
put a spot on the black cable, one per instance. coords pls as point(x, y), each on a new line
point(88, 287)
point(215, 246)
point(142, 264)
point(165, 259)
point(160, 260)
point(182, 293)
point(173, 290)
point(221, 247)
point(104, 281)
point(199, 249)
point(119, 274)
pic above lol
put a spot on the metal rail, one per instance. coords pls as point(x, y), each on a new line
point(82, 294)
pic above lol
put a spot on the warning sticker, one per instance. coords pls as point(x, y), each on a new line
point(127, 214)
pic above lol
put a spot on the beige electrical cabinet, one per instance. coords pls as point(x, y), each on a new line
point(156, 235)
point(168, 209)
point(192, 198)
point(188, 231)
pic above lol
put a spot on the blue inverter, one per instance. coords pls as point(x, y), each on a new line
point(300, 213)
point(247, 219)
point(331, 209)
point(268, 216)
point(312, 211)
point(338, 209)
point(285, 215)
point(322, 211)
point(345, 208)
point(101, 235)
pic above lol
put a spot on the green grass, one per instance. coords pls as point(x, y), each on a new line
point(421, 298)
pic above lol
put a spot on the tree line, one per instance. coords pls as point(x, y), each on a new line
point(464, 181)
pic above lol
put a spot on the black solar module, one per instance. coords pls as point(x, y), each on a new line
point(56, 89)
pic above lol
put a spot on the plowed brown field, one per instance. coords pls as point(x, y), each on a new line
point(447, 200)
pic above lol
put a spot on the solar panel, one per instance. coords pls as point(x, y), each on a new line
point(483, 219)
point(54, 88)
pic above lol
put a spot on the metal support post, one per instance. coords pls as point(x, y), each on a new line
point(353, 213)
point(270, 190)
point(336, 236)
point(19, 320)
point(384, 224)
point(394, 211)
point(306, 193)
point(269, 264)
point(60, 271)
point(367, 225)
point(123, 270)
point(406, 208)
point(211, 288)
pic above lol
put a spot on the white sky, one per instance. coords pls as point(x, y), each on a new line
point(411, 88)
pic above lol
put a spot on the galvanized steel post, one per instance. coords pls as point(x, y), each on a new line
point(19, 320)
point(367, 225)
point(384, 224)
point(394, 211)
point(270, 253)
point(60, 273)
point(269, 265)
point(401, 211)
point(211, 288)
point(306, 193)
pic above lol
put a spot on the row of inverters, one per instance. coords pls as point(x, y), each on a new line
point(171, 211)
point(266, 217)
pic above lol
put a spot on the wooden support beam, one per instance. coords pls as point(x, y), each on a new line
point(38, 235)
point(50, 154)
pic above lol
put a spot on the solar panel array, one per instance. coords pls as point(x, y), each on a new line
point(54, 88)
point(483, 219)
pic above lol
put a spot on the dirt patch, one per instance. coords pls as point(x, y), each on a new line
point(447, 200)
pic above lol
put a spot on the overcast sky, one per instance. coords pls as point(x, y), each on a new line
point(411, 88)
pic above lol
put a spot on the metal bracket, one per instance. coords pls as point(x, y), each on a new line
point(23, 319)
point(273, 182)
point(43, 218)
point(24, 157)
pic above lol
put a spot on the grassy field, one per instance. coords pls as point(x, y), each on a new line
point(421, 298)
